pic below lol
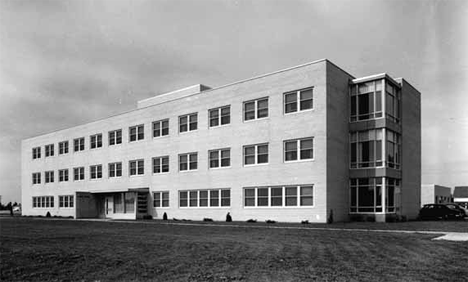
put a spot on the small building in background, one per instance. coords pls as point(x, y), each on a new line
point(435, 194)
point(460, 196)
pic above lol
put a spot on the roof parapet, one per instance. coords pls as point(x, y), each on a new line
point(158, 99)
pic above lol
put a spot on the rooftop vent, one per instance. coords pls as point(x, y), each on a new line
point(184, 92)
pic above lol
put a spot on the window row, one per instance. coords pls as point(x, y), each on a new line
point(66, 201)
point(367, 194)
point(205, 198)
point(369, 100)
point(279, 196)
point(295, 101)
point(294, 150)
point(369, 150)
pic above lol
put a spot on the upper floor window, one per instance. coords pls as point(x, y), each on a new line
point(161, 128)
point(36, 178)
point(392, 102)
point(220, 116)
point(256, 109)
point(63, 147)
point(115, 137)
point(49, 150)
point(188, 122)
point(366, 100)
point(256, 154)
point(96, 171)
point(299, 100)
point(115, 169)
point(63, 175)
point(299, 149)
point(188, 161)
point(161, 164)
point(392, 149)
point(161, 199)
point(36, 153)
point(79, 144)
point(95, 141)
point(137, 167)
point(49, 176)
point(78, 173)
point(220, 158)
point(366, 148)
point(137, 132)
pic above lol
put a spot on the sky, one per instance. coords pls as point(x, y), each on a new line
point(65, 63)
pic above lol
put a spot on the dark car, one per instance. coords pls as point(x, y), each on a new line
point(458, 207)
point(440, 211)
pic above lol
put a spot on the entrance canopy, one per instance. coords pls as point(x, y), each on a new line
point(140, 190)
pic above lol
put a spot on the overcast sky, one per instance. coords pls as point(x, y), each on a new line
point(64, 63)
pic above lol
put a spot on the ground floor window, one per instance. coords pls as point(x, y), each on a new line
point(66, 201)
point(161, 199)
point(124, 202)
point(43, 202)
point(367, 194)
point(279, 196)
point(205, 198)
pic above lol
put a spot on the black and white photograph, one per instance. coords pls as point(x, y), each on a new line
point(232, 140)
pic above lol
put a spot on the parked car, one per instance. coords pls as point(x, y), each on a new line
point(440, 211)
point(458, 207)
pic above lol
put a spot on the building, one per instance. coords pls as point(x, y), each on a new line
point(435, 194)
point(460, 196)
point(310, 142)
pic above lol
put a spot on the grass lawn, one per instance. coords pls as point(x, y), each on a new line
point(68, 250)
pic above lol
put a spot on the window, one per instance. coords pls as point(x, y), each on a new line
point(392, 149)
point(95, 171)
point(299, 100)
point(299, 149)
point(43, 202)
point(161, 164)
point(137, 132)
point(161, 128)
point(188, 161)
point(63, 147)
point(366, 148)
point(256, 154)
point(115, 169)
point(366, 100)
point(49, 176)
point(96, 141)
point(366, 195)
point(115, 137)
point(279, 196)
point(161, 199)
point(188, 122)
point(391, 186)
point(63, 175)
point(256, 109)
point(66, 201)
point(36, 153)
point(205, 198)
point(79, 144)
point(392, 104)
point(220, 116)
point(78, 173)
point(49, 150)
point(220, 158)
point(36, 178)
point(137, 167)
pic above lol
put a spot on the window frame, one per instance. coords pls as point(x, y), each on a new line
point(298, 100)
point(114, 168)
point(115, 137)
point(220, 116)
point(160, 202)
point(189, 162)
point(63, 147)
point(95, 172)
point(139, 133)
point(36, 153)
point(49, 150)
point(79, 143)
point(81, 173)
point(161, 128)
point(284, 197)
point(298, 150)
point(161, 164)
point(95, 141)
point(63, 175)
point(256, 109)
point(36, 178)
point(137, 168)
point(49, 176)
point(256, 154)
point(66, 201)
point(219, 158)
point(189, 122)
point(40, 202)
point(209, 200)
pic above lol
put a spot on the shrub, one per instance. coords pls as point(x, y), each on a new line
point(305, 222)
point(48, 214)
point(147, 216)
point(228, 217)
point(252, 220)
point(165, 216)
point(207, 219)
point(270, 221)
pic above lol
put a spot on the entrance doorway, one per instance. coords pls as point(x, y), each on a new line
point(109, 206)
